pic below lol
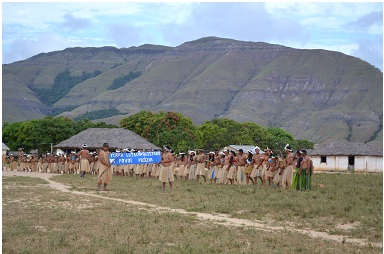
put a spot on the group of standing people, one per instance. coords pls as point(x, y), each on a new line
point(227, 167)
point(51, 163)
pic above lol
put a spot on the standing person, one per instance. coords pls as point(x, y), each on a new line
point(270, 167)
point(231, 166)
point(96, 165)
point(279, 170)
point(33, 163)
point(288, 171)
point(166, 174)
point(241, 160)
point(173, 164)
point(54, 166)
point(200, 168)
point(62, 160)
point(212, 158)
point(105, 170)
point(5, 162)
point(296, 176)
point(305, 171)
point(84, 163)
point(13, 163)
point(40, 164)
point(225, 167)
point(217, 164)
point(258, 168)
point(193, 164)
point(182, 164)
point(91, 162)
point(249, 167)
point(20, 163)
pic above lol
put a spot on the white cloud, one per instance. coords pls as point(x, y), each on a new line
point(327, 25)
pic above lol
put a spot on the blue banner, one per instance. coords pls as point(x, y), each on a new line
point(135, 158)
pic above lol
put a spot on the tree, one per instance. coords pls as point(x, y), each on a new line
point(163, 128)
point(40, 133)
point(277, 139)
point(211, 136)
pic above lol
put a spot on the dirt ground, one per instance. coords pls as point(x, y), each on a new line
point(222, 219)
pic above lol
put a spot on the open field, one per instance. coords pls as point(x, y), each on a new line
point(194, 218)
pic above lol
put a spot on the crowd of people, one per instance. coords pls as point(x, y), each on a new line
point(293, 171)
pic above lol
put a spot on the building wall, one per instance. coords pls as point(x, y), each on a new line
point(340, 163)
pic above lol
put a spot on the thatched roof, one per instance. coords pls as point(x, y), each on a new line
point(5, 147)
point(346, 149)
point(115, 137)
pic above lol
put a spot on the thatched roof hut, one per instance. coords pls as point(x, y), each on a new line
point(117, 138)
point(5, 147)
point(339, 148)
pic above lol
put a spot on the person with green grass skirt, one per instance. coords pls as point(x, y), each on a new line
point(305, 176)
point(296, 175)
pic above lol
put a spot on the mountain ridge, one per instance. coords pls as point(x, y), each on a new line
point(316, 94)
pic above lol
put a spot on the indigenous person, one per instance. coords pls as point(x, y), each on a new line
point(84, 163)
point(288, 170)
point(296, 175)
point(105, 170)
point(40, 164)
point(181, 163)
point(270, 166)
point(231, 167)
point(166, 174)
point(200, 168)
point(34, 163)
point(305, 171)
point(173, 164)
point(62, 160)
point(279, 170)
point(249, 167)
point(212, 166)
point(54, 166)
point(13, 163)
point(96, 165)
point(193, 165)
point(226, 166)
point(241, 160)
point(5, 162)
point(258, 170)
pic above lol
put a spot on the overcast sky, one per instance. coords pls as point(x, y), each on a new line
point(353, 28)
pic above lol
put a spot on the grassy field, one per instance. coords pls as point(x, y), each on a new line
point(38, 219)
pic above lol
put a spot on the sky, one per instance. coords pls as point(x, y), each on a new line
point(353, 28)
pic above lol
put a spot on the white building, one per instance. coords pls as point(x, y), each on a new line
point(347, 156)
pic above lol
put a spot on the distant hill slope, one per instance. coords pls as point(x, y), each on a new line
point(316, 95)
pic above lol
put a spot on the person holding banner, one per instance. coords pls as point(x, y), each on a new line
point(166, 173)
point(105, 171)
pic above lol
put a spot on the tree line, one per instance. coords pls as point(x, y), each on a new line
point(170, 128)
point(181, 134)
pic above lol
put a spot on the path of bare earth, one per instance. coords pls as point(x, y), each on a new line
point(222, 219)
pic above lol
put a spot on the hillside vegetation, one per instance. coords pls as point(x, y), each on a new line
point(316, 95)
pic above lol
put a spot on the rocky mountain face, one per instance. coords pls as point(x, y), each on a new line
point(316, 95)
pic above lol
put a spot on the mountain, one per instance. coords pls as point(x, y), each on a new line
point(317, 95)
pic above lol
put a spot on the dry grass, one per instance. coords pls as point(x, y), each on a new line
point(37, 219)
point(345, 199)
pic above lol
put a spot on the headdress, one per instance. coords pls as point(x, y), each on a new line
point(288, 147)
